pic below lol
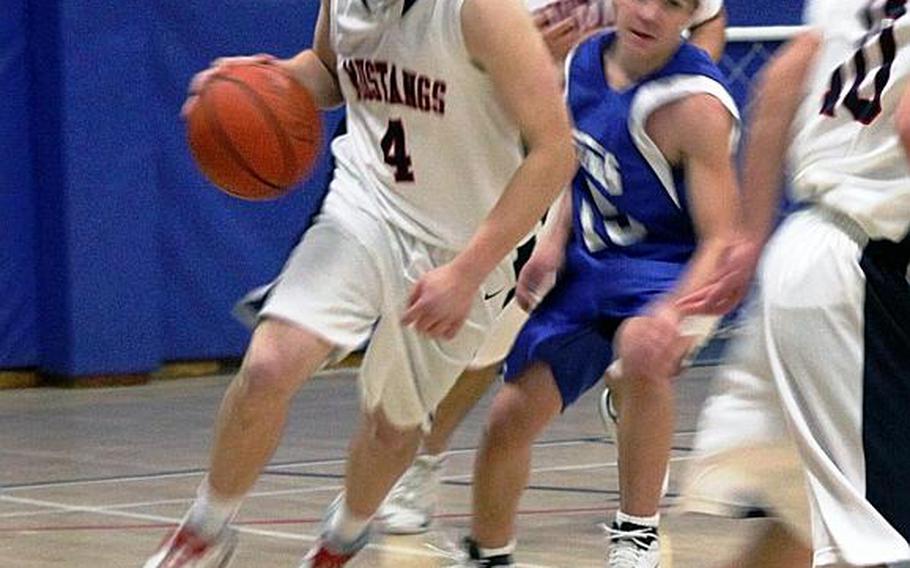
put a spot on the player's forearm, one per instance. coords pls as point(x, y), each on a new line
point(316, 75)
point(711, 35)
point(776, 102)
point(544, 172)
point(314, 68)
point(703, 265)
point(557, 228)
point(902, 121)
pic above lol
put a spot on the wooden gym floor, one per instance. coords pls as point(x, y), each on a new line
point(95, 478)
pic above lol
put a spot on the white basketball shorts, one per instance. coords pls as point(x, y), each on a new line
point(824, 364)
point(348, 281)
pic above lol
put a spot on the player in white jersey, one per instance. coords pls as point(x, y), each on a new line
point(824, 365)
point(412, 502)
point(430, 195)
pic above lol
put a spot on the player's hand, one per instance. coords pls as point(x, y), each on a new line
point(560, 36)
point(199, 80)
point(650, 345)
point(538, 276)
point(730, 283)
point(440, 302)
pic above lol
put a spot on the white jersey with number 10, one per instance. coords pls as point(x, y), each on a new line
point(846, 154)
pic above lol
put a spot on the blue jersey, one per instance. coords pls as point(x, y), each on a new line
point(632, 233)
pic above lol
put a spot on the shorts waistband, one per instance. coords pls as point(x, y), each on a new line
point(843, 222)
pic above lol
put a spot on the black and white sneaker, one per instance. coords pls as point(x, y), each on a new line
point(632, 546)
point(469, 556)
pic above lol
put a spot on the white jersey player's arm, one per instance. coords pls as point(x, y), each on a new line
point(711, 35)
point(527, 84)
point(902, 121)
point(778, 95)
point(315, 67)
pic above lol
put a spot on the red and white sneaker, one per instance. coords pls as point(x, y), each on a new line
point(321, 556)
point(185, 548)
point(329, 552)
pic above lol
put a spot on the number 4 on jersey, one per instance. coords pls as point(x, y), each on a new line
point(395, 151)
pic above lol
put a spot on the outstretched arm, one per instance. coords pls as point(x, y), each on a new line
point(777, 97)
point(695, 132)
point(702, 129)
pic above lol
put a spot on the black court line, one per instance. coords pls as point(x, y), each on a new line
point(457, 483)
point(279, 522)
point(296, 463)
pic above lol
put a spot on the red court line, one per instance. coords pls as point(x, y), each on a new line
point(275, 522)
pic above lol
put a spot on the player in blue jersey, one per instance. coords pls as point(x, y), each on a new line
point(412, 502)
point(651, 213)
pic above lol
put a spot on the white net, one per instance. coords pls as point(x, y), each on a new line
point(748, 49)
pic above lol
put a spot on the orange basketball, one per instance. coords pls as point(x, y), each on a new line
point(254, 131)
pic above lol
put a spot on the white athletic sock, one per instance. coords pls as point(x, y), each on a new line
point(344, 526)
point(210, 513)
point(652, 521)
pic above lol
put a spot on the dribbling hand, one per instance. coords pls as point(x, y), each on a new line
point(200, 79)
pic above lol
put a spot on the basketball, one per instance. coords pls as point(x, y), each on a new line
point(254, 131)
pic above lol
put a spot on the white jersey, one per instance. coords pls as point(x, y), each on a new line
point(846, 154)
point(428, 146)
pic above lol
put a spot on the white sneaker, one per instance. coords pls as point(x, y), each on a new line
point(637, 547)
point(185, 548)
point(610, 417)
point(410, 505)
point(608, 413)
point(329, 552)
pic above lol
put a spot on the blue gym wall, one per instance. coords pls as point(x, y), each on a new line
point(116, 255)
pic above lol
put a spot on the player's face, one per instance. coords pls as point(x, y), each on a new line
point(652, 27)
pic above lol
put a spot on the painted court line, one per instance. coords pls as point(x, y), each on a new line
point(393, 549)
point(281, 466)
point(63, 508)
point(185, 500)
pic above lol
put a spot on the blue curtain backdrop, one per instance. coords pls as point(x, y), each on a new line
point(18, 331)
point(116, 254)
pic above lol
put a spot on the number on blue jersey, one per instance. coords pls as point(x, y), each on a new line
point(602, 169)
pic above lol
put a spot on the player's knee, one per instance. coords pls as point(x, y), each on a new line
point(509, 425)
point(266, 376)
point(392, 437)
